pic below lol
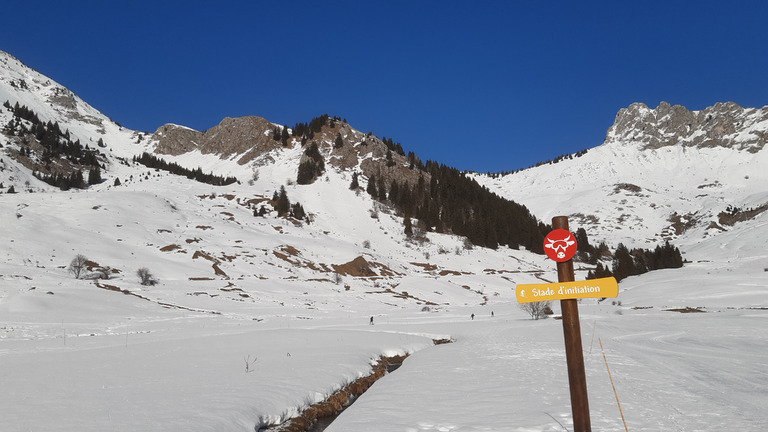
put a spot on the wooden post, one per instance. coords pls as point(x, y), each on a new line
point(574, 355)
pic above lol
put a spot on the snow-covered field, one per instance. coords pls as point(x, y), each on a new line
point(74, 357)
point(255, 318)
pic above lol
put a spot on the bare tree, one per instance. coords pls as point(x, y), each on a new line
point(78, 265)
point(145, 276)
point(536, 309)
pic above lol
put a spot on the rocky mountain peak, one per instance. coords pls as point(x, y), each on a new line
point(245, 139)
point(721, 125)
point(232, 136)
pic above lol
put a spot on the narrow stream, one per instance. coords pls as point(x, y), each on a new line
point(323, 422)
point(319, 416)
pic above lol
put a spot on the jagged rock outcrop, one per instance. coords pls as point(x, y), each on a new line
point(175, 140)
point(723, 124)
point(247, 138)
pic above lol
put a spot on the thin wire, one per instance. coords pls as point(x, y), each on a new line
point(614, 387)
point(561, 425)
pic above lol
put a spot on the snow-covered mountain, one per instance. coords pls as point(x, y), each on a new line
point(661, 174)
point(253, 318)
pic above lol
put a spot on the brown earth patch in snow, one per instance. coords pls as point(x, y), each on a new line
point(285, 258)
point(219, 271)
point(216, 269)
point(686, 309)
point(425, 266)
point(450, 272)
point(357, 267)
point(680, 223)
point(734, 216)
point(201, 254)
point(290, 250)
point(403, 295)
point(485, 297)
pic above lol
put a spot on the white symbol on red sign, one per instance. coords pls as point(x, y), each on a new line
point(560, 245)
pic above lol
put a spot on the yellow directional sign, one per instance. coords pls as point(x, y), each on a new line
point(593, 288)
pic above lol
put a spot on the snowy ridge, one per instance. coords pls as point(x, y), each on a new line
point(55, 103)
point(292, 301)
point(626, 191)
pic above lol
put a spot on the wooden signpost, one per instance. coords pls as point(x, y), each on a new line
point(560, 245)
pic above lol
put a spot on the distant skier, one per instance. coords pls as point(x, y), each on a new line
point(491, 314)
point(473, 317)
point(371, 320)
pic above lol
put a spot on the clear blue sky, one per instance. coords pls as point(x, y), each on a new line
point(477, 85)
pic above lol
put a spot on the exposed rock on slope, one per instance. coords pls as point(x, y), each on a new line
point(245, 139)
point(246, 136)
point(661, 174)
point(721, 125)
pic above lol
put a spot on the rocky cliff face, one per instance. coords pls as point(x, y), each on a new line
point(247, 136)
point(245, 139)
point(721, 125)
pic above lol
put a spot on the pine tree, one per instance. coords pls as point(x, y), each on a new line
point(94, 175)
point(297, 211)
point(306, 174)
point(312, 166)
point(390, 161)
point(339, 142)
point(382, 189)
point(354, 185)
point(394, 190)
point(284, 136)
point(78, 180)
point(408, 226)
point(371, 189)
point(623, 263)
point(283, 204)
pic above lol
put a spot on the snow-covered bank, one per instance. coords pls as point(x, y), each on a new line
point(673, 371)
point(189, 375)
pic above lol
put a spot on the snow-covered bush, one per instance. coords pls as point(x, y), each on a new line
point(536, 309)
point(145, 276)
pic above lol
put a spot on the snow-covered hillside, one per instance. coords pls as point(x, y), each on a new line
point(254, 318)
point(643, 187)
point(54, 103)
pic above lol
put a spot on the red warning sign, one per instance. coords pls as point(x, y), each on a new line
point(560, 245)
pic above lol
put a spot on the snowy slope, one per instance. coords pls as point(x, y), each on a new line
point(627, 191)
point(293, 301)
